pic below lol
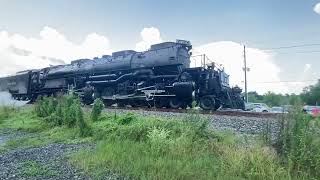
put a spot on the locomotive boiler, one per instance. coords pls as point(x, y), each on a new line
point(160, 77)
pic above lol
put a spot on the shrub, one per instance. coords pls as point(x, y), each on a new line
point(198, 126)
point(60, 111)
point(299, 145)
point(70, 118)
point(159, 139)
point(70, 109)
point(96, 110)
point(54, 119)
point(127, 119)
point(82, 125)
point(45, 106)
point(63, 110)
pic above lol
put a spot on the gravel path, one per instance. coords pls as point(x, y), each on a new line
point(48, 162)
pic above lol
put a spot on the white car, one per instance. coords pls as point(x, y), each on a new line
point(278, 109)
point(260, 107)
point(248, 106)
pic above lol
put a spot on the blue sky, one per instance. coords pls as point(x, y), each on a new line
point(260, 23)
point(256, 23)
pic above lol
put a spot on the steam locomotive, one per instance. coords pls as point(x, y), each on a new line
point(159, 77)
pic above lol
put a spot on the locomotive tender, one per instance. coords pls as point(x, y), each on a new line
point(160, 77)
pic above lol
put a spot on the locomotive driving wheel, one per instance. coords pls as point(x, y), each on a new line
point(175, 103)
point(217, 104)
point(108, 92)
point(87, 95)
point(207, 103)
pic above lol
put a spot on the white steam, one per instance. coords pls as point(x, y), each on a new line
point(7, 100)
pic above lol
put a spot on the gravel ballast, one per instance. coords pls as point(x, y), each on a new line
point(243, 125)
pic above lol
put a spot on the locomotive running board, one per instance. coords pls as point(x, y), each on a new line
point(133, 97)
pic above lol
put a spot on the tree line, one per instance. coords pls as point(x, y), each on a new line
point(309, 96)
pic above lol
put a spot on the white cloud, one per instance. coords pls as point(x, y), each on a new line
point(230, 55)
point(18, 52)
point(149, 36)
point(304, 78)
point(316, 8)
point(264, 73)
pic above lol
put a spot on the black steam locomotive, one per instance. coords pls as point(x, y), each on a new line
point(159, 77)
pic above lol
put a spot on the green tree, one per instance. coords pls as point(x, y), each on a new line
point(311, 94)
point(254, 97)
point(272, 99)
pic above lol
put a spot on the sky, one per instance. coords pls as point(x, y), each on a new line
point(39, 33)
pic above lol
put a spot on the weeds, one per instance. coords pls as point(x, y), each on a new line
point(150, 148)
point(299, 145)
point(63, 110)
point(127, 119)
point(97, 109)
point(45, 106)
point(83, 126)
point(34, 169)
point(5, 112)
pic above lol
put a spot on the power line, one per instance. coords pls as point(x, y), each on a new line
point(285, 81)
point(297, 52)
point(292, 46)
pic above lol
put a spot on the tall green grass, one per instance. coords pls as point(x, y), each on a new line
point(299, 145)
point(63, 110)
point(145, 147)
point(6, 112)
point(151, 148)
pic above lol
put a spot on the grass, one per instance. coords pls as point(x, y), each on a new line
point(141, 147)
point(5, 112)
point(150, 148)
point(38, 132)
point(299, 145)
point(34, 169)
point(140, 161)
point(23, 119)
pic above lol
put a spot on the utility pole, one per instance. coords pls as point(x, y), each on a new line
point(245, 72)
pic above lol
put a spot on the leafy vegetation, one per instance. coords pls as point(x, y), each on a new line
point(145, 147)
point(49, 118)
point(299, 145)
point(63, 110)
point(151, 148)
point(6, 112)
point(96, 109)
point(34, 169)
point(309, 96)
point(273, 99)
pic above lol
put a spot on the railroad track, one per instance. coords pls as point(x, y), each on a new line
point(205, 112)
